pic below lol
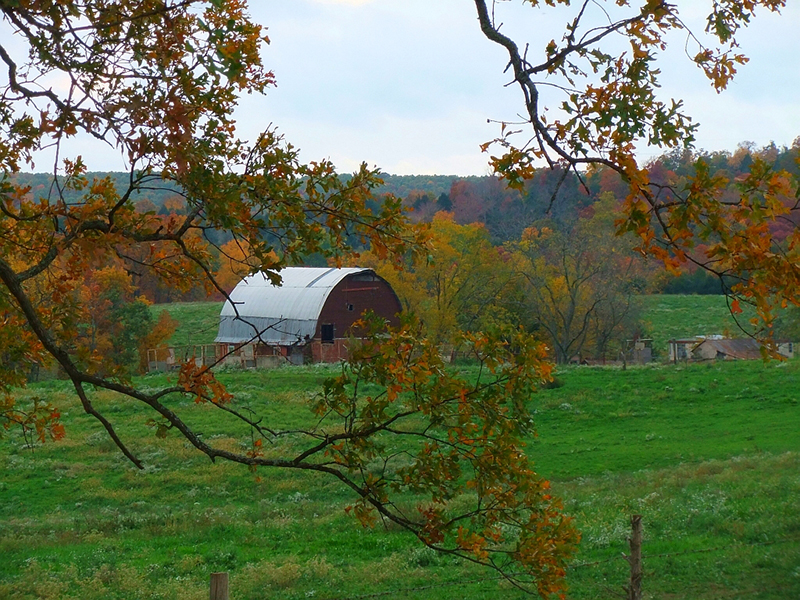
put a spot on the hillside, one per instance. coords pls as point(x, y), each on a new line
point(667, 317)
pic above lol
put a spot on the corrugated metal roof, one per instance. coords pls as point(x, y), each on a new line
point(743, 349)
point(280, 315)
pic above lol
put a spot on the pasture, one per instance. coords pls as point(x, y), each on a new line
point(708, 453)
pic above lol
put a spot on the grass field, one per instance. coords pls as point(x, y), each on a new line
point(709, 454)
point(197, 321)
point(667, 317)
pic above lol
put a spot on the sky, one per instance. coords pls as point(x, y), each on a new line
point(409, 85)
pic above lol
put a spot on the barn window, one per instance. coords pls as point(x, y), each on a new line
point(327, 333)
point(350, 307)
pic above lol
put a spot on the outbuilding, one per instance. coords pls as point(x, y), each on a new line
point(681, 349)
point(307, 318)
point(727, 349)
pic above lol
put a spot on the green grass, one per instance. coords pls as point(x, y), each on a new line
point(708, 454)
point(664, 415)
point(666, 317)
point(198, 322)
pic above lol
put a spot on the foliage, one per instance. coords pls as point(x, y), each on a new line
point(471, 427)
point(461, 285)
point(580, 283)
point(158, 81)
point(505, 211)
point(158, 336)
point(235, 264)
point(117, 324)
point(608, 102)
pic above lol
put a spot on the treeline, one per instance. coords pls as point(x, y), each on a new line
point(561, 197)
point(552, 195)
point(545, 258)
point(155, 197)
point(574, 285)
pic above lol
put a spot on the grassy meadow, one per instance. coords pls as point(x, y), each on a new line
point(667, 317)
point(197, 321)
point(709, 454)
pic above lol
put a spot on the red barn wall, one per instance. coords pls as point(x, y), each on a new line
point(351, 297)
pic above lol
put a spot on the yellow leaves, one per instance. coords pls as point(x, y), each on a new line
point(516, 167)
point(719, 67)
point(200, 381)
point(472, 543)
point(460, 273)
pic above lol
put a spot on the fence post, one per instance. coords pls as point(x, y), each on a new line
point(219, 586)
point(634, 588)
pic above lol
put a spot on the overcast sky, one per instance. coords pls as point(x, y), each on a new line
point(408, 85)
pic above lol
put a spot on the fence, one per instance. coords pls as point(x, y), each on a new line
point(167, 359)
point(631, 591)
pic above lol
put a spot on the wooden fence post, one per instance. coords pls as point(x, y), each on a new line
point(219, 586)
point(634, 588)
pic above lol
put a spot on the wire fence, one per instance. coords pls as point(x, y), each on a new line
point(219, 581)
point(574, 566)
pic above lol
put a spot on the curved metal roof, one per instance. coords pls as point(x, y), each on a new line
point(280, 315)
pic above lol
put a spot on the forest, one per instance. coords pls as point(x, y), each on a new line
point(547, 257)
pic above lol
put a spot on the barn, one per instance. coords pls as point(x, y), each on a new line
point(308, 318)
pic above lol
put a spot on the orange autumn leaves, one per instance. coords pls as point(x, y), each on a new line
point(467, 451)
point(611, 106)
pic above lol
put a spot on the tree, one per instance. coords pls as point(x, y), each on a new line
point(461, 285)
point(609, 104)
point(580, 282)
point(235, 264)
point(116, 323)
point(157, 80)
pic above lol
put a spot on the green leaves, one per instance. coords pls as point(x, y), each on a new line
point(459, 445)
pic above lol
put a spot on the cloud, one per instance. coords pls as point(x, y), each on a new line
point(345, 2)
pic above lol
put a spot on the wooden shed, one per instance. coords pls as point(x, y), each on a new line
point(308, 318)
point(727, 349)
point(681, 349)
